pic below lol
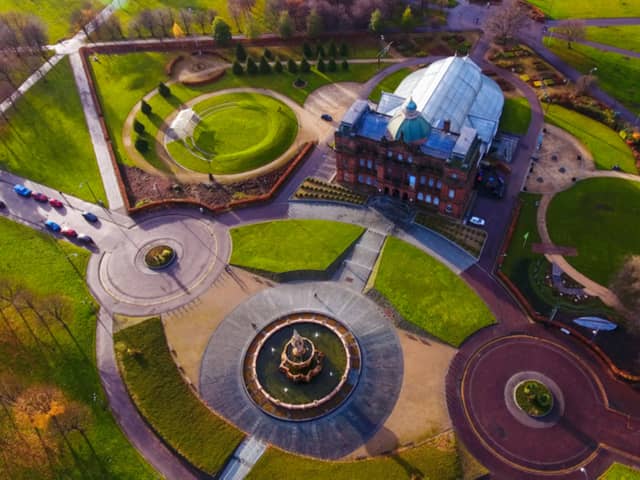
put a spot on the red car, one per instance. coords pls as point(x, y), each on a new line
point(69, 232)
point(40, 197)
point(55, 203)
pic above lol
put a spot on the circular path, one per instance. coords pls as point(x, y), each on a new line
point(127, 285)
point(355, 421)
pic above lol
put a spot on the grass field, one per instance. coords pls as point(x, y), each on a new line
point(47, 139)
point(618, 471)
point(624, 36)
point(590, 9)
point(61, 356)
point(616, 73)
point(238, 132)
point(516, 116)
point(607, 148)
point(122, 80)
point(389, 84)
point(428, 294)
point(166, 401)
point(598, 216)
point(437, 459)
point(289, 245)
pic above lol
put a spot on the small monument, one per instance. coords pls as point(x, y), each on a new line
point(300, 361)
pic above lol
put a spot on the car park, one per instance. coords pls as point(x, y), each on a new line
point(22, 190)
point(90, 217)
point(480, 222)
point(69, 232)
point(55, 203)
point(40, 197)
point(326, 117)
point(52, 226)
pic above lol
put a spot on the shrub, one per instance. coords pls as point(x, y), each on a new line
point(333, 51)
point(237, 68)
point(164, 90)
point(138, 127)
point(278, 66)
point(320, 52)
point(322, 67)
point(264, 66)
point(221, 31)
point(145, 108)
point(344, 50)
point(307, 51)
point(241, 53)
point(345, 65)
point(332, 67)
point(252, 68)
point(142, 145)
point(292, 66)
point(304, 66)
point(268, 54)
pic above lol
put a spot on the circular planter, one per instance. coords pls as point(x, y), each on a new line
point(534, 398)
point(299, 83)
point(159, 257)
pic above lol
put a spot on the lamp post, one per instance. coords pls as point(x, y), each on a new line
point(584, 470)
point(594, 69)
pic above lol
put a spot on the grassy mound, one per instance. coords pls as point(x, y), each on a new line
point(599, 217)
point(516, 116)
point(534, 398)
point(166, 402)
point(428, 294)
point(290, 245)
point(237, 132)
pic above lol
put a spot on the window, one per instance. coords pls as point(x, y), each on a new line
point(399, 157)
point(436, 201)
point(420, 196)
point(439, 185)
point(410, 159)
point(423, 180)
point(428, 199)
point(362, 162)
point(449, 208)
point(430, 181)
point(452, 193)
point(368, 180)
point(369, 164)
point(389, 153)
point(454, 176)
point(360, 178)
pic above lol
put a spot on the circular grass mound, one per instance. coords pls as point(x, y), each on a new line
point(237, 132)
point(599, 217)
point(533, 398)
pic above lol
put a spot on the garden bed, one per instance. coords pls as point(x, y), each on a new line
point(314, 189)
point(159, 257)
point(468, 238)
point(533, 398)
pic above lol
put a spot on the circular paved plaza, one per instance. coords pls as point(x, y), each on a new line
point(350, 425)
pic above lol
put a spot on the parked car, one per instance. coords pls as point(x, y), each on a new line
point(40, 197)
point(477, 221)
point(55, 203)
point(53, 226)
point(84, 238)
point(22, 190)
point(326, 117)
point(69, 232)
point(90, 217)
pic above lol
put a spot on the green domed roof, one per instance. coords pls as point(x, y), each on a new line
point(408, 125)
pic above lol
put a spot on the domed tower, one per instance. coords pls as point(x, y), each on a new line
point(408, 125)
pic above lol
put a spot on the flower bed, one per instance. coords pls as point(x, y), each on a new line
point(160, 256)
point(316, 189)
point(533, 398)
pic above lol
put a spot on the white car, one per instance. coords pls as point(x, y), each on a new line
point(480, 222)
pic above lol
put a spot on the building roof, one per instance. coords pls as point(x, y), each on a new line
point(451, 89)
point(408, 125)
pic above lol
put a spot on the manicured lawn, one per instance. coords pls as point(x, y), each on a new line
point(237, 132)
point(623, 36)
point(63, 358)
point(607, 148)
point(599, 217)
point(47, 139)
point(618, 471)
point(428, 294)
point(389, 84)
point(590, 9)
point(167, 403)
point(616, 73)
point(436, 459)
point(289, 245)
point(122, 80)
point(516, 116)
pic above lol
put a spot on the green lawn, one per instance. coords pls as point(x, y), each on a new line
point(589, 9)
point(599, 217)
point(618, 471)
point(624, 36)
point(437, 459)
point(167, 403)
point(428, 294)
point(238, 132)
point(607, 148)
point(290, 245)
point(122, 80)
point(516, 116)
point(616, 73)
point(47, 139)
point(389, 84)
point(63, 357)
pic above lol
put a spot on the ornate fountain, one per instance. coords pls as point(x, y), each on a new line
point(300, 361)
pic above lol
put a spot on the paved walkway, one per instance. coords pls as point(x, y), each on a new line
point(243, 459)
point(356, 268)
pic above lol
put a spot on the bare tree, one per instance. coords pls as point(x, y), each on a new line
point(507, 19)
point(148, 21)
point(186, 18)
point(583, 84)
point(136, 28)
point(9, 36)
point(59, 309)
point(164, 19)
point(35, 36)
point(626, 285)
point(6, 67)
point(204, 19)
point(76, 417)
point(239, 9)
point(572, 31)
point(112, 28)
point(81, 17)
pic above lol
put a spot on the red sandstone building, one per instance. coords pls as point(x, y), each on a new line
point(423, 143)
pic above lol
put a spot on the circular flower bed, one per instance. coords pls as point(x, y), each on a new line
point(160, 256)
point(534, 398)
